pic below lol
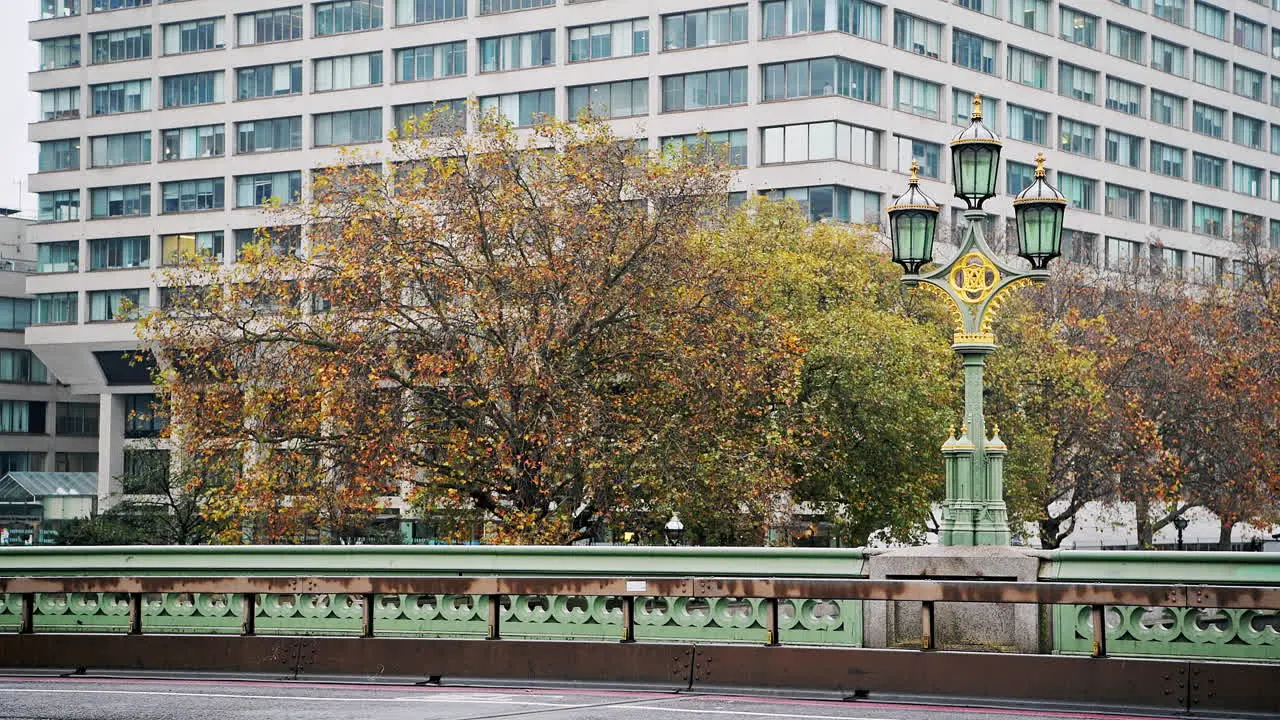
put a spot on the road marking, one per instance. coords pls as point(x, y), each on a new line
point(746, 713)
point(456, 699)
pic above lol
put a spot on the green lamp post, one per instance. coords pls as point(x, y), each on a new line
point(976, 282)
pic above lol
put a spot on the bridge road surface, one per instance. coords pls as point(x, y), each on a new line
point(81, 698)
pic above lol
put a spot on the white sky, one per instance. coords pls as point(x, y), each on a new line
point(17, 106)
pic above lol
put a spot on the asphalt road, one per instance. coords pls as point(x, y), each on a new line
point(49, 698)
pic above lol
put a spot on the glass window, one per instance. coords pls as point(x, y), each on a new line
point(120, 201)
point(120, 252)
point(621, 99)
point(1207, 220)
point(491, 7)
point(1208, 170)
point(1028, 125)
point(809, 78)
point(116, 305)
point(1208, 120)
point(1168, 109)
point(731, 144)
point(916, 96)
point(1247, 180)
point(428, 62)
point(1206, 269)
point(254, 190)
point(410, 12)
point(1028, 68)
point(527, 108)
point(1124, 96)
point(700, 90)
point(1211, 20)
point(269, 80)
point(345, 16)
point(1123, 202)
point(347, 71)
point(59, 155)
point(704, 27)
point(76, 419)
point(190, 143)
point(962, 104)
point(22, 366)
point(514, 52)
point(21, 416)
point(121, 97)
point(200, 88)
point(986, 7)
point(276, 240)
point(104, 5)
point(830, 140)
point(1124, 42)
point(121, 45)
point(15, 313)
point(916, 35)
point(1275, 139)
point(183, 247)
point(269, 26)
point(1124, 149)
point(1250, 35)
point(146, 472)
point(1032, 14)
point(1077, 137)
point(1077, 82)
point(123, 149)
point(58, 8)
point(1077, 27)
point(1167, 211)
point(1168, 57)
point(1081, 192)
point(796, 17)
point(1167, 159)
point(1210, 70)
point(255, 136)
point(1019, 176)
point(926, 153)
point(60, 104)
point(63, 52)
point(58, 257)
point(973, 51)
point(1247, 131)
point(1249, 83)
point(1175, 11)
point(194, 36)
point(345, 128)
point(1245, 228)
point(192, 195)
point(617, 39)
point(58, 205)
point(1122, 254)
point(446, 116)
point(56, 308)
point(832, 202)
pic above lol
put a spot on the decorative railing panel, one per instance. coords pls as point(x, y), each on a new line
point(1174, 632)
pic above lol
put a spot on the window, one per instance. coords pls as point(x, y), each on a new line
point(60, 104)
point(796, 17)
point(1077, 27)
point(1211, 70)
point(58, 257)
point(55, 308)
point(1019, 176)
point(1245, 227)
point(1274, 194)
point(63, 52)
point(1124, 42)
point(1175, 11)
point(1077, 137)
point(59, 155)
point(1211, 20)
point(410, 12)
point(1028, 68)
point(1247, 131)
point(1123, 202)
point(175, 249)
point(269, 80)
point(1032, 14)
point(120, 201)
point(1168, 57)
point(347, 71)
point(104, 5)
point(1167, 211)
point(146, 472)
point(269, 26)
point(446, 116)
point(1206, 269)
point(121, 97)
point(58, 205)
point(277, 240)
point(973, 51)
point(254, 190)
point(704, 27)
point(1168, 109)
point(916, 35)
point(606, 40)
point(1250, 35)
point(58, 8)
point(810, 78)
point(21, 416)
point(916, 96)
point(143, 418)
point(1249, 83)
point(1077, 82)
point(192, 195)
point(346, 16)
point(700, 90)
point(1247, 180)
point(255, 136)
point(1207, 220)
point(189, 143)
point(731, 144)
point(1208, 170)
point(428, 62)
point(820, 141)
point(492, 7)
point(1275, 90)
point(119, 253)
point(527, 108)
point(1122, 254)
point(514, 52)
point(200, 88)
point(926, 153)
point(1081, 192)
point(15, 313)
point(1124, 149)
point(832, 201)
point(1167, 159)
point(986, 7)
point(1124, 96)
point(194, 36)
point(610, 100)
point(121, 45)
point(962, 104)
point(1208, 120)
point(76, 419)
point(345, 128)
point(22, 366)
point(1080, 247)
point(1028, 125)
point(123, 149)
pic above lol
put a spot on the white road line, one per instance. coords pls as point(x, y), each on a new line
point(245, 696)
point(746, 713)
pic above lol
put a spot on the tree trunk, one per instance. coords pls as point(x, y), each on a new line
point(1224, 534)
point(1049, 529)
point(1142, 513)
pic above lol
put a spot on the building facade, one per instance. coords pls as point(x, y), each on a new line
point(164, 124)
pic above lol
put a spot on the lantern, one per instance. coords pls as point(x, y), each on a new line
point(975, 160)
point(913, 219)
point(1039, 210)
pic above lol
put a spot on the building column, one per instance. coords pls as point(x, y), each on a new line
point(110, 447)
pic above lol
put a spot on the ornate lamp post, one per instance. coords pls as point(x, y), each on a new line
point(976, 282)
point(674, 530)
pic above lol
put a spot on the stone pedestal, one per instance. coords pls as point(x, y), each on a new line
point(989, 626)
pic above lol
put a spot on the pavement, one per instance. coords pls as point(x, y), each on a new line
point(84, 698)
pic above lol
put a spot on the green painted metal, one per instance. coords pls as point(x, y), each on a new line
point(1245, 568)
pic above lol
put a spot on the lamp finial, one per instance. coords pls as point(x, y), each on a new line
point(915, 172)
point(977, 107)
point(1040, 172)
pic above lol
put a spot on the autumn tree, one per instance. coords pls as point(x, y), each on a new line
point(526, 328)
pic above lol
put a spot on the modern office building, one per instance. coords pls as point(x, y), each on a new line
point(165, 123)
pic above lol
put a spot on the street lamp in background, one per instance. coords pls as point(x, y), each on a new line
point(674, 530)
point(976, 283)
point(1180, 523)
